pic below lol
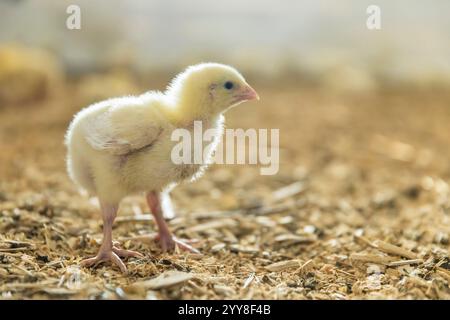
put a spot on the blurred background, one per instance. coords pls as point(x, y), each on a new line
point(317, 39)
point(364, 145)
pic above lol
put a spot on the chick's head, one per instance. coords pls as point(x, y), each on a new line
point(211, 88)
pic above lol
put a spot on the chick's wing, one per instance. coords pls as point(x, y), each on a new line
point(123, 129)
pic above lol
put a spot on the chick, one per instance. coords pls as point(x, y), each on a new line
point(122, 146)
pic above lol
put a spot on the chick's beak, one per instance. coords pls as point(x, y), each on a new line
point(247, 93)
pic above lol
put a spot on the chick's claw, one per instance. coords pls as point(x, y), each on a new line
point(113, 256)
point(102, 257)
point(168, 242)
point(125, 253)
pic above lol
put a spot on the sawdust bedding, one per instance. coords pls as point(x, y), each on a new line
point(359, 209)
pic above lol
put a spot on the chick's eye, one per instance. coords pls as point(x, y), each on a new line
point(228, 85)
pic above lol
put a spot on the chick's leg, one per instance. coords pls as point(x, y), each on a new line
point(165, 237)
point(108, 249)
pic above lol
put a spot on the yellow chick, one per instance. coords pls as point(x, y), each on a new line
point(122, 146)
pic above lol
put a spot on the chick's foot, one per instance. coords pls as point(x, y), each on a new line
point(165, 238)
point(126, 253)
point(168, 242)
point(112, 255)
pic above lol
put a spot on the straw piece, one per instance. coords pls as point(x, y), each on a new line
point(395, 250)
point(216, 224)
point(223, 290)
point(135, 218)
point(288, 191)
point(294, 238)
point(283, 265)
point(165, 280)
point(249, 280)
point(374, 258)
point(404, 262)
